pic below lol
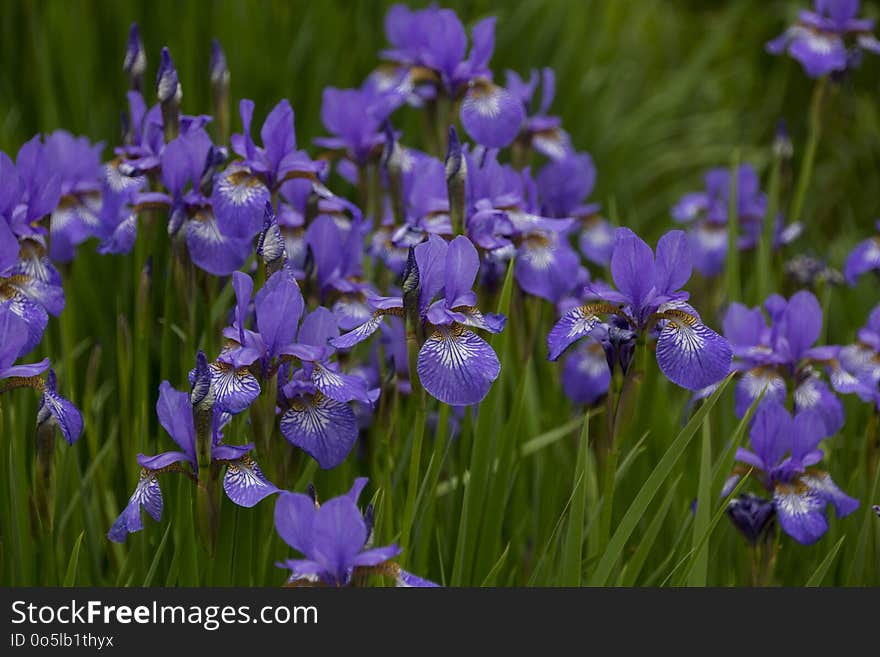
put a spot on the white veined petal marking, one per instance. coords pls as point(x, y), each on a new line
point(245, 473)
point(807, 394)
point(240, 187)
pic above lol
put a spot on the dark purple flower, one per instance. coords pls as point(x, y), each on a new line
point(649, 301)
point(751, 515)
point(243, 482)
point(335, 540)
point(865, 257)
point(829, 39)
point(783, 451)
point(454, 364)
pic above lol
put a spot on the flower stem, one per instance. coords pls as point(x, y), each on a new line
point(806, 172)
point(764, 283)
point(733, 280)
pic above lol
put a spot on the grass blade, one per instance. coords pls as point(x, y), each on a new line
point(649, 489)
point(817, 577)
point(70, 574)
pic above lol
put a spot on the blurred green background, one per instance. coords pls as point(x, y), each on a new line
point(656, 90)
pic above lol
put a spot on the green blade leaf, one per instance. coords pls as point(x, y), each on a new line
point(649, 489)
point(817, 577)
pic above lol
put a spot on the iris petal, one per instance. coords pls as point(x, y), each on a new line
point(324, 428)
point(691, 354)
point(245, 483)
point(457, 366)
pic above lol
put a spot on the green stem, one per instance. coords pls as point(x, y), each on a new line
point(806, 172)
point(732, 268)
point(764, 279)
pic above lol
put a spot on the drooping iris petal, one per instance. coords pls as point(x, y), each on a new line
point(691, 354)
point(239, 201)
point(596, 241)
point(573, 325)
point(147, 494)
point(491, 115)
point(50, 297)
point(361, 333)
point(752, 383)
point(864, 258)
point(35, 317)
point(822, 484)
point(340, 387)
point(210, 249)
point(546, 266)
point(801, 512)
point(708, 248)
point(585, 374)
point(492, 322)
point(457, 366)
point(163, 460)
point(245, 483)
point(324, 428)
point(407, 579)
point(234, 389)
point(814, 394)
point(632, 266)
point(57, 410)
point(819, 53)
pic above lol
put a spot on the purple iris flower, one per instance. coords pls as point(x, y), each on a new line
point(502, 218)
point(77, 164)
point(649, 301)
point(315, 398)
point(188, 165)
point(30, 188)
point(752, 515)
point(135, 62)
point(563, 186)
point(783, 451)
point(355, 118)
point(707, 213)
point(430, 44)
point(585, 373)
point(865, 257)
point(244, 482)
point(454, 364)
point(781, 356)
point(829, 39)
point(859, 370)
point(540, 131)
point(30, 286)
point(319, 418)
point(335, 539)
